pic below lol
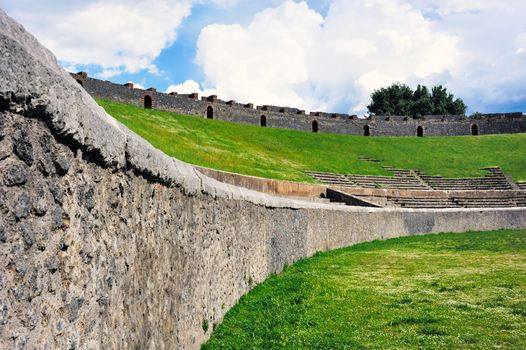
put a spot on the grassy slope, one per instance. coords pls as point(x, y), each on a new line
point(285, 154)
point(448, 291)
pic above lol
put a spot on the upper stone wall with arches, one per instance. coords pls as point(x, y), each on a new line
point(211, 107)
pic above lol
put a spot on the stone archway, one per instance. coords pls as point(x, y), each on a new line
point(420, 131)
point(148, 102)
point(366, 130)
point(263, 121)
point(209, 112)
point(315, 126)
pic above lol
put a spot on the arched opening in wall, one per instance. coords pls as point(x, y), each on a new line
point(263, 121)
point(474, 129)
point(80, 82)
point(420, 131)
point(148, 102)
point(366, 131)
point(209, 112)
point(315, 127)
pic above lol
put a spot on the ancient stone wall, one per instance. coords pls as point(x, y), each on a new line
point(95, 257)
point(106, 243)
point(293, 118)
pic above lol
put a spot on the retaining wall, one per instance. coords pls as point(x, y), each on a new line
point(107, 243)
point(293, 118)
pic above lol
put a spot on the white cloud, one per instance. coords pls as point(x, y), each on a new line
point(290, 55)
point(262, 62)
point(117, 35)
point(491, 71)
point(189, 87)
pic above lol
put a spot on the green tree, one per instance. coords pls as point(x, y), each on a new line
point(421, 103)
point(459, 107)
point(399, 99)
point(392, 100)
point(441, 100)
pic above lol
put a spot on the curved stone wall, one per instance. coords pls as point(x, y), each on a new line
point(293, 118)
point(107, 243)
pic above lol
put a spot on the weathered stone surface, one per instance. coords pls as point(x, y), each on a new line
point(45, 165)
point(23, 146)
point(16, 175)
point(62, 162)
point(137, 249)
point(22, 206)
point(85, 196)
point(2, 128)
point(52, 264)
point(27, 233)
point(3, 313)
point(3, 236)
point(57, 191)
point(41, 199)
point(57, 219)
point(74, 307)
point(6, 149)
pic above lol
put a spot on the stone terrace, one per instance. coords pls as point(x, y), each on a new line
point(404, 179)
point(504, 201)
point(494, 180)
point(491, 191)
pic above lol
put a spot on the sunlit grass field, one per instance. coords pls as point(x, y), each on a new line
point(447, 291)
point(285, 154)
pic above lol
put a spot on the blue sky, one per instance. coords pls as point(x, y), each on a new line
point(324, 55)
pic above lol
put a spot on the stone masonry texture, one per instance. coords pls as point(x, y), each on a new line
point(106, 243)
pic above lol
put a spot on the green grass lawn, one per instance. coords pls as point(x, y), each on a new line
point(285, 154)
point(447, 291)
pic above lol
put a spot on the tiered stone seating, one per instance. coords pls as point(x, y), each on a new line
point(423, 202)
point(331, 179)
point(316, 200)
point(460, 202)
point(394, 182)
point(522, 185)
point(403, 179)
point(492, 202)
point(494, 180)
point(411, 180)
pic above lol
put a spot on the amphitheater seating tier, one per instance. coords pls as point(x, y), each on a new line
point(404, 179)
point(459, 202)
point(494, 180)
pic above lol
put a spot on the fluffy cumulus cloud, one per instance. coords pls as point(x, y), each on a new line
point(189, 87)
point(117, 35)
point(492, 35)
point(263, 61)
point(291, 55)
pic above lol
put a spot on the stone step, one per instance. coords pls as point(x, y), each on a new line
point(430, 206)
point(389, 183)
point(422, 200)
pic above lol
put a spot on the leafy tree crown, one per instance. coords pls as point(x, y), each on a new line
point(400, 99)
